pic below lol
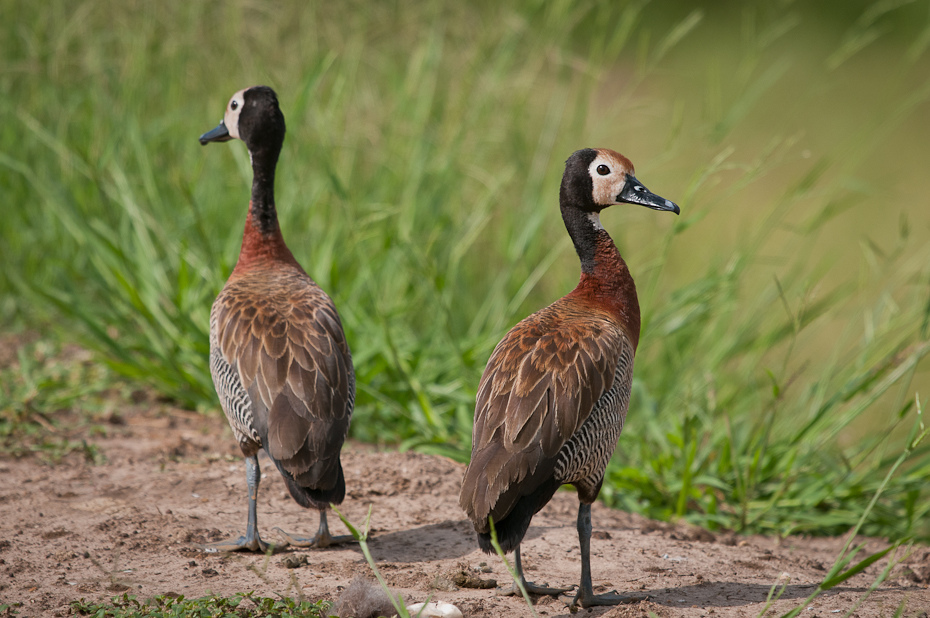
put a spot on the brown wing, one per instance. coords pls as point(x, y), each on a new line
point(539, 386)
point(283, 339)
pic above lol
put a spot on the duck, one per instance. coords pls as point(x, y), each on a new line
point(279, 358)
point(553, 397)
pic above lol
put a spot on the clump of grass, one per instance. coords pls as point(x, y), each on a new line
point(841, 570)
point(36, 389)
point(163, 606)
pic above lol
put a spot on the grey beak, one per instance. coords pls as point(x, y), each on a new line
point(635, 193)
point(219, 134)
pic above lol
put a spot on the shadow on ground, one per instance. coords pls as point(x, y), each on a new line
point(445, 540)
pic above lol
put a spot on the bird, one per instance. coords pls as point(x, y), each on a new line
point(553, 397)
point(278, 354)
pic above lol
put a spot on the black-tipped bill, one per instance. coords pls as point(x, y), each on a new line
point(635, 193)
point(219, 134)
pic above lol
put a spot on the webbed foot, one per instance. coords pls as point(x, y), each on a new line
point(243, 543)
point(318, 541)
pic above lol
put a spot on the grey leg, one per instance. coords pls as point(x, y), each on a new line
point(251, 541)
point(586, 596)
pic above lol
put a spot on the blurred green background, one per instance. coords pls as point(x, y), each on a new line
point(785, 311)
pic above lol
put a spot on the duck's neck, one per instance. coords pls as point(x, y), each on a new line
point(262, 212)
point(605, 279)
point(262, 242)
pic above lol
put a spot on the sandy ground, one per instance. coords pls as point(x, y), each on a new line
point(173, 479)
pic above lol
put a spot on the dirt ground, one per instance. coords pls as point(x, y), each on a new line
point(173, 479)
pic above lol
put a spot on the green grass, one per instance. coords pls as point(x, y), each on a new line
point(361, 534)
point(786, 316)
point(51, 403)
point(245, 605)
point(843, 568)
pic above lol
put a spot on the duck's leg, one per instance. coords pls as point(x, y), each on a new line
point(530, 587)
point(251, 541)
point(322, 538)
point(586, 596)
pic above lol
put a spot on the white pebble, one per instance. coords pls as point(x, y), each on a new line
point(436, 609)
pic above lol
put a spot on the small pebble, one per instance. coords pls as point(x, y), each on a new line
point(436, 609)
point(294, 561)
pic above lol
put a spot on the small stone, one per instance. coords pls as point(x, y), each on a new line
point(294, 561)
point(464, 580)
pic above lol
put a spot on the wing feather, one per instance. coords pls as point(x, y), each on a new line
point(283, 339)
point(539, 387)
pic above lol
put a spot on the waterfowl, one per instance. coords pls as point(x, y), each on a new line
point(553, 398)
point(278, 354)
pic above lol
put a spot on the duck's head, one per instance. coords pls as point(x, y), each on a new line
point(596, 178)
point(253, 116)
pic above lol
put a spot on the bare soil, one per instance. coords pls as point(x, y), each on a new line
point(173, 479)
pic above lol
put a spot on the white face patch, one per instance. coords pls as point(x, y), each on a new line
point(231, 118)
point(608, 175)
point(595, 219)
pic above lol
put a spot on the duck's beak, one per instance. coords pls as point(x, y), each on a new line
point(635, 193)
point(219, 134)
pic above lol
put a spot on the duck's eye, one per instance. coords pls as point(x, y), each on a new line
point(233, 105)
point(603, 170)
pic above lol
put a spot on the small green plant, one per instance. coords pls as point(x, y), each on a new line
point(361, 535)
point(9, 609)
